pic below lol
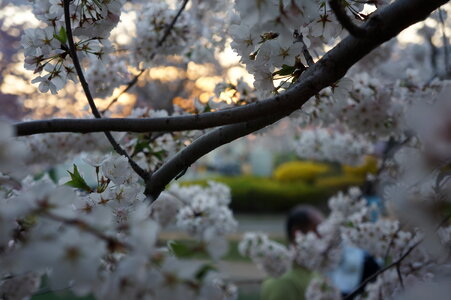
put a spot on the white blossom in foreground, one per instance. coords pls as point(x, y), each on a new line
point(20, 287)
point(205, 214)
point(101, 240)
point(272, 257)
point(12, 152)
point(319, 253)
point(55, 148)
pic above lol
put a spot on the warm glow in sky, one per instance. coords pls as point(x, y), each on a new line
point(205, 77)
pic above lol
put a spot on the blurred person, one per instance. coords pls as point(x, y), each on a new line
point(293, 284)
point(355, 264)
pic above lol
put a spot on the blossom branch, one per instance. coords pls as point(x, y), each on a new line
point(345, 21)
point(326, 71)
point(73, 53)
point(113, 244)
point(206, 143)
point(329, 69)
point(152, 56)
point(396, 264)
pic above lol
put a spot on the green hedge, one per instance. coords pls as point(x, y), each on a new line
point(257, 194)
point(341, 182)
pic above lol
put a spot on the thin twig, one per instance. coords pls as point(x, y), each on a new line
point(327, 70)
point(362, 286)
point(73, 54)
point(445, 42)
point(396, 264)
point(300, 39)
point(345, 21)
point(398, 271)
point(434, 53)
point(160, 42)
point(392, 241)
point(130, 84)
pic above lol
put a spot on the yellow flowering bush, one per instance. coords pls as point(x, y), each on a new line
point(368, 167)
point(306, 171)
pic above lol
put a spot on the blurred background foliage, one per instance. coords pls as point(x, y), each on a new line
point(291, 183)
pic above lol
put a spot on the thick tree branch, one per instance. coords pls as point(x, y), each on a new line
point(327, 70)
point(73, 54)
point(383, 25)
point(206, 143)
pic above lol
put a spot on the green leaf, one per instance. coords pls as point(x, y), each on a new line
point(203, 271)
point(159, 154)
point(61, 36)
point(207, 108)
point(53, 175)
point(140, 146)
point(349, 224)
point(185, 248)
point(285, 70)
point(77, 181)
point(179, 248)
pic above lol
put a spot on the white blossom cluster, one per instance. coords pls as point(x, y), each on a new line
point(205, 214)
point(89, 18)
point(380, 239)
point(324, 144)
point(211, 20)
point(320, 253)
point(271, 35)
point(369, 108)
point(106, 75)
point(54, 148)
point(152, 24)
point(100, 241)
point(270, 256)
point(349, 222)
point(47, 49)
point(321, 250)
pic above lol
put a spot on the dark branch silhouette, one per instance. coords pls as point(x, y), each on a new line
point(73, 54)
point(383, 25)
